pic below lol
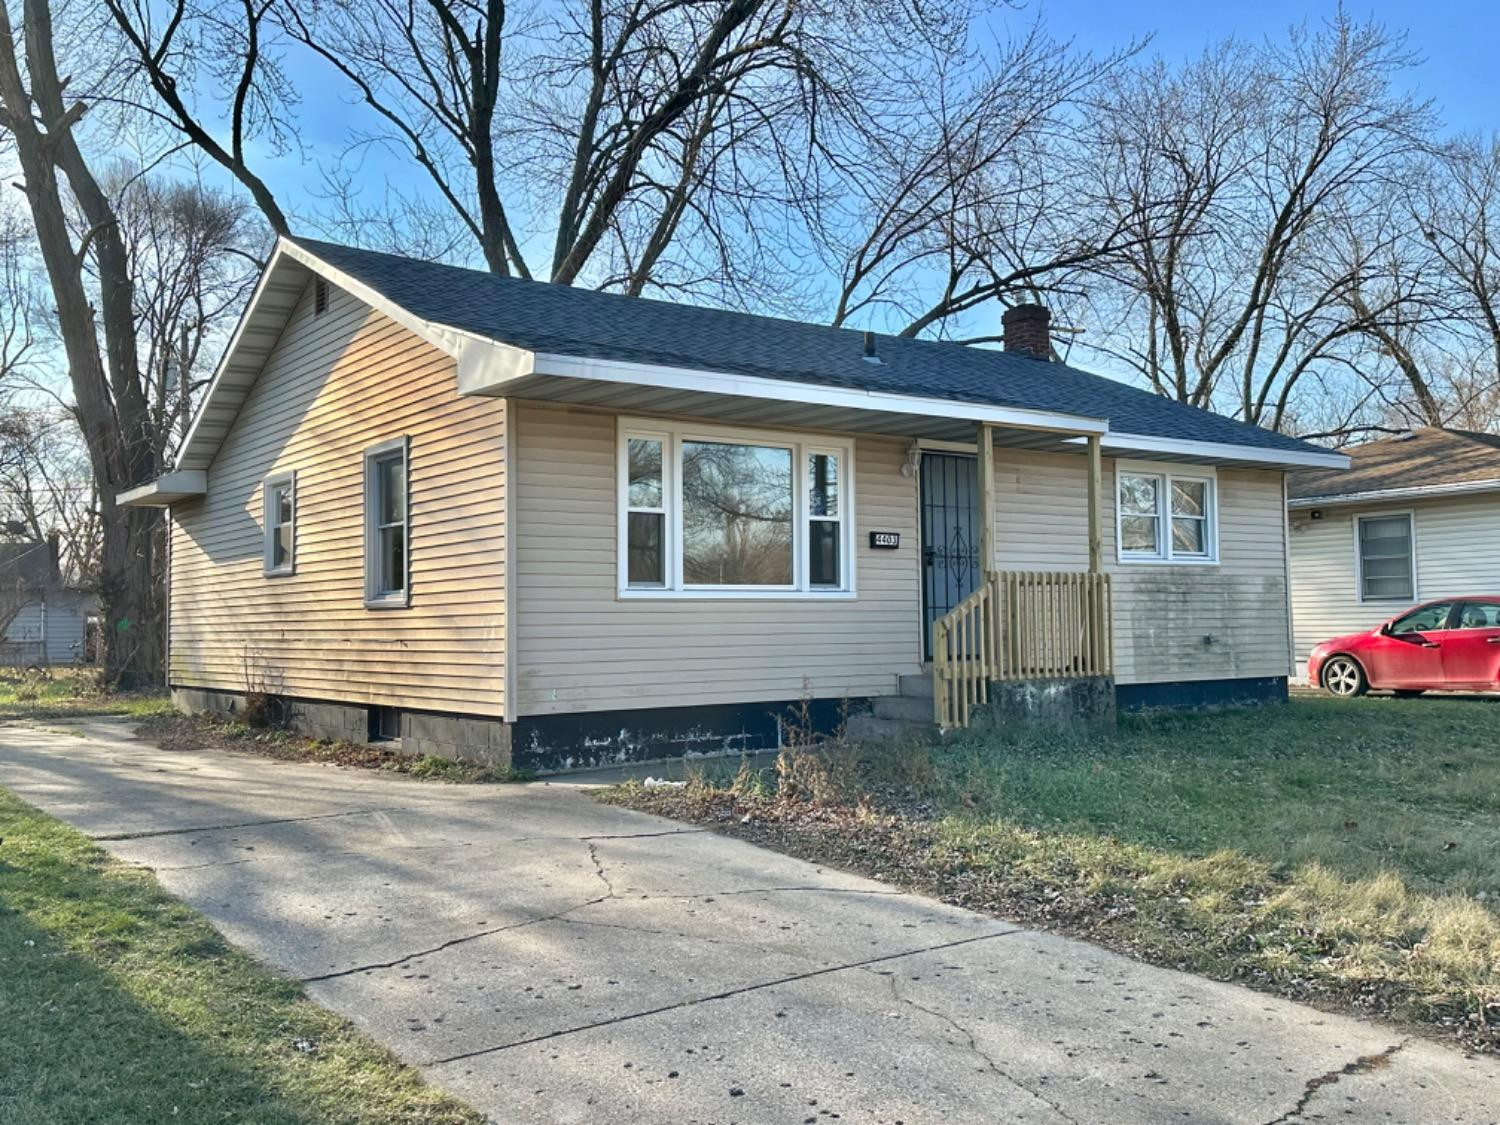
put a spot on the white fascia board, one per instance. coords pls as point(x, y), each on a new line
point(1223, 451)
point(485, 366)
point(1380, 495)
point(246, 316)
point(782, 390)
point(166, 489)
point(448, 340)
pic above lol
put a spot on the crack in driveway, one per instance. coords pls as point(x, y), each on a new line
point(725, 995)
point(1362, 1065)
point(558, 916)
point(244, 824)
point(973, 1044)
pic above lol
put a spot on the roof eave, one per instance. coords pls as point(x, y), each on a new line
point(499, 369)
point(1381, 495)
point(165, 490)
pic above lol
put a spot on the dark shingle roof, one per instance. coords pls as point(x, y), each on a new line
point(1421, 459)
point(581, 322)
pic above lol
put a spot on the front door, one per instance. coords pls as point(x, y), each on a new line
point(949, 485)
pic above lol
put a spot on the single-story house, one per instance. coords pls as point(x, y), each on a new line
point(502, 518)
point(45, 620)
point(1416, 517)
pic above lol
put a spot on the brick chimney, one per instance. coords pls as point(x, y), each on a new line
point(1027, 331)
point(54, 557)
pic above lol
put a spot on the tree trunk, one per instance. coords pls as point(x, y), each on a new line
point(108, 400)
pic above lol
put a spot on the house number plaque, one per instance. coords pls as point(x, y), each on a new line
point(885, 540)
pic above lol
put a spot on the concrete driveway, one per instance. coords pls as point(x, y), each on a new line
point(549, 959)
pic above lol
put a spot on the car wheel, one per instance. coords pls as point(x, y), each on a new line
point(1343, 676)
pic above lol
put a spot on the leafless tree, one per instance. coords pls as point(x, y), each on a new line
point(187, 47)
point(1262, 157)
point(46, 486)
point(1457, 211)
point(87, 261)
point(194, 257)
point(965, 189)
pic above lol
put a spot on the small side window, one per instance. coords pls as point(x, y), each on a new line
point(387, 539)
point(279, 499)
point(1385, 558)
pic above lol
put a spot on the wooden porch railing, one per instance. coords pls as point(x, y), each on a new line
point(1019, 625)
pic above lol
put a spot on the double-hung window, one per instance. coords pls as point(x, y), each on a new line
point(387, 525)
point(279, 500)
point(1166, 516)
point(708, 510)
point(1386, 572)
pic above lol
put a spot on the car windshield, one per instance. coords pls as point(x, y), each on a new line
point(1423, 620)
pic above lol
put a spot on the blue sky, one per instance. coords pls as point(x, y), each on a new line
point(1456, 38)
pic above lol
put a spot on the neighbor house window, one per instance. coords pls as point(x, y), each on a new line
point(1167, 516)
point(280, 502)
point(1385, 558)
point(387, 525)
point(706, 509)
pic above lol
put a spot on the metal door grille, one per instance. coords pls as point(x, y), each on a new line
point(950, 533)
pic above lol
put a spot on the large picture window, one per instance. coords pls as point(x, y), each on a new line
point(1166, 516)
point(705, 509)
point(1385, 558)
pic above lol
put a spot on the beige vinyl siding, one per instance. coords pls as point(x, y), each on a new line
point(1457, 551)
point(581, 647)
point(335, 385)
point(1163, 611)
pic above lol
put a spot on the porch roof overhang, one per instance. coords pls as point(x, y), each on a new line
point(490, 368)
point(165, 490)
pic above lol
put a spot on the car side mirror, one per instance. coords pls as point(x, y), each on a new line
point(1385, 630)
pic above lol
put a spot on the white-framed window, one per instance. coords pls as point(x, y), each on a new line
point(1166, 515)
point(1384, 557)
point(279, 503)
point(387, 525)
point(717, 511)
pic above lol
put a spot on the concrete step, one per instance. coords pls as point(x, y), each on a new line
point(917, 687)
point(902, 708)
point(865, 727)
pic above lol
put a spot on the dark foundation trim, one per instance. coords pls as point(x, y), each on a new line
point(1197, 695)
point(589, 739)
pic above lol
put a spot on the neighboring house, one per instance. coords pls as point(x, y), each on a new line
point(1416, 517)
point(507, 519)
point(44, 620)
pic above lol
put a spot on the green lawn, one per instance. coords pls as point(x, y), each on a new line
point(120, 1004)
point(67, 692)
point(1346, 851)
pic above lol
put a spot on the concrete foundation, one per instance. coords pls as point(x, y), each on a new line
point(1071, 704)
point(465, 738)
point(461, 737)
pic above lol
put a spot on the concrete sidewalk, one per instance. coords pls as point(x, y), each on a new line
point(549, 959)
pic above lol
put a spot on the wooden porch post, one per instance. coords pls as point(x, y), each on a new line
point(1096, 485)
point(986, 500)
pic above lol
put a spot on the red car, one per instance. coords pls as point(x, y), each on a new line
point(1452, 644)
